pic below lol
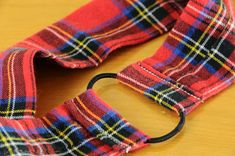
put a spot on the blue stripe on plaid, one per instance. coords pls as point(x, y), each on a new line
point(17, 99)
point(85, 42)
point(144, 21)
point(136, 9)
point(171, 96)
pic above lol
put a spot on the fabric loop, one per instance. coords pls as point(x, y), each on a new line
point(196, 61)
point(81, 126)
point(165, 137)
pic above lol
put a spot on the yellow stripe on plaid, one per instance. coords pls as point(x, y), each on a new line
point(222, 64)
point(77, 41)
point(128, 23)
point(150, 95)
point(161, 93)
point(199, 40)
point(103, 122)
point(145, 17)
point(4, 140)
point(40, 139)
point(189, 46)
point(113, 127)
point(19, 111)
point(62, 134)
point(57, 130)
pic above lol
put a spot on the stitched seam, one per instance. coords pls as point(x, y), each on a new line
point(146, 87)
point(150, 72)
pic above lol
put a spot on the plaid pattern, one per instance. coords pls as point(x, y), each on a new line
point(78, 42)
point(196, 61)
point(84, 125)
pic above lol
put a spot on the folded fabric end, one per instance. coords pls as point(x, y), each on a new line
point(106, 124)
point(156, 86)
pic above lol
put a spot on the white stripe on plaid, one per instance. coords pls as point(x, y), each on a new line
point(10, 144)
point(202, 45)
point(210, 56)
point(13, 82)
point(72, 45)
point(106, 35)
point(102, 36)
point(101, 129)
point(208, 16)
point(56, 139)
point(148, 87)
point(150, 14)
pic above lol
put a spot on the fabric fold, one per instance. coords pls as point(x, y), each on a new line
point(82, 39)
point(196, 61)
point(160, 88)
point(104, 123)
point(82, 126)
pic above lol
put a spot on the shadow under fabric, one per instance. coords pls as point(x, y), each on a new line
point(196, 61)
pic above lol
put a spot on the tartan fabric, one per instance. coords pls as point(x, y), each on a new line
point(196, 61)
point(82, 39)
point(84, 125)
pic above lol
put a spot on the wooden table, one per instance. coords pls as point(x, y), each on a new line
point(210, 129)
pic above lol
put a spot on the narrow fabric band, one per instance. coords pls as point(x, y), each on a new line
point(165, 137)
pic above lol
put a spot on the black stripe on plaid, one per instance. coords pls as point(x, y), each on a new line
point(149, 11)
point(85, 43)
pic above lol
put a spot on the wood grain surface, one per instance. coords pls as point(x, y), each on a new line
point(209, 130)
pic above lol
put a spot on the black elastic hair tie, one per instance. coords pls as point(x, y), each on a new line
point(165, 137)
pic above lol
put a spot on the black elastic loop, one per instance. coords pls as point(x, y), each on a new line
point(165, 137)
point(100, 76)
point(171, 133)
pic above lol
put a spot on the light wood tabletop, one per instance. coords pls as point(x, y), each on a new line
point(209, 130)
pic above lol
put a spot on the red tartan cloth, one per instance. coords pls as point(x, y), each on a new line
point(84, 125)
point(196, 61)
point(80, 40)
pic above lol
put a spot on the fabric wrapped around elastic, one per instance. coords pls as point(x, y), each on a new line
point(85, 125)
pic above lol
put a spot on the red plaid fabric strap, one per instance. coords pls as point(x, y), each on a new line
point(82, 39)
point(158, 139)
point(82, 126)
point(196, 61)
